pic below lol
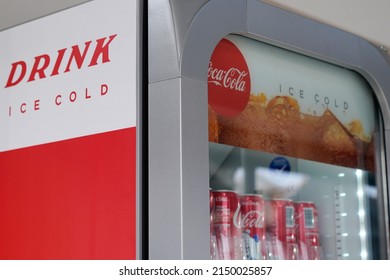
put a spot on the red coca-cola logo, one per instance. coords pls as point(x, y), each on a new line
point(228, 80)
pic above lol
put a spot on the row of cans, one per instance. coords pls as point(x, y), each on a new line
point(249, 227)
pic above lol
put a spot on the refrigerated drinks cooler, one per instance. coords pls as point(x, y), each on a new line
point(280, 120)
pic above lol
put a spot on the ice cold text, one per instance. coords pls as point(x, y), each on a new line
point(60, 99)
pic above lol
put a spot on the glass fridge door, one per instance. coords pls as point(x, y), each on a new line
point(294, 156)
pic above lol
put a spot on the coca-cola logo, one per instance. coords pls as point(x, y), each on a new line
point(253, 219)
point(228, 80)
point(232, 78)
point(250, 220)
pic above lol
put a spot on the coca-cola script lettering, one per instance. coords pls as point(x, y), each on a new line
point(231, 79)
point(228, 80)
point(253, 219)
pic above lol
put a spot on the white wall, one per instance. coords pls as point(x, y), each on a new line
point(369, 19)
point(14, 12)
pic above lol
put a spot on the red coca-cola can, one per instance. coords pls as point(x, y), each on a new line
point(211, 193)
point(307, 230)
point(227, 225)
point(281, 230)
point(213, 244)
point(253, 227)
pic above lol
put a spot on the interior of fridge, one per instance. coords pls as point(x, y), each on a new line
point(346, 198)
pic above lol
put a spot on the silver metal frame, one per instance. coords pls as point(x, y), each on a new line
point(182, 37)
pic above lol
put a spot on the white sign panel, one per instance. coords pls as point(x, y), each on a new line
point(68, 75)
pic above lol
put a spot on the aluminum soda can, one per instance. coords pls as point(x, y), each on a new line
point(307, 230)
point(253, 227)
point(281, 230)
point(227, 225)
point(213, 242)
point(211, 198)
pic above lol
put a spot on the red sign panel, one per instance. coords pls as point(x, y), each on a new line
point(71, 199)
